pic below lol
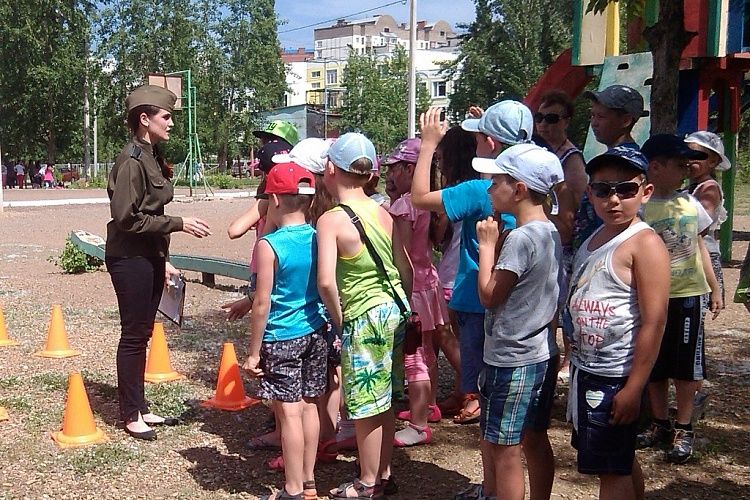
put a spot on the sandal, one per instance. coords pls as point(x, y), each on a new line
point(283, 495)
point(388, 484)
point(465, 416)
point(309, 490)
point(359, 490)
point(262, 442)
point(327, 451)
point(452, 404)
point(276, 463)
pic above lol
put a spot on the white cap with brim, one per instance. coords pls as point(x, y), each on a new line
point(712, 142)
point(509, 122)
point(309, 153)
point(536, 167)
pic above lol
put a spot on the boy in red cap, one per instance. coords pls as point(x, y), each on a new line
point(288, 349)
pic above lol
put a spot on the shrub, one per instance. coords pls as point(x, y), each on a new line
point(73, 260)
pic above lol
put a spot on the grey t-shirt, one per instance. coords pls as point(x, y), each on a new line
point(517, 332)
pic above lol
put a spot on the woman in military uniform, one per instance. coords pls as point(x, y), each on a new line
point(138, 246)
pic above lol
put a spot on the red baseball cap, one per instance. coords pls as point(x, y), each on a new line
point(289, 178)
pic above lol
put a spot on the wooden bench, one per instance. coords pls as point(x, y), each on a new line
point(209, 267)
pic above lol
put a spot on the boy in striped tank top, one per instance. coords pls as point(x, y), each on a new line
point(618, 303)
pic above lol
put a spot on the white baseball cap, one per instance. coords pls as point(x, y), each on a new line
point(536, 167)
point(712, 142)
point(309, 153)
point(510, 122)
point(349, 148)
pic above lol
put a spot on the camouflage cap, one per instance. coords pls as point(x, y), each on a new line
point(151, 95)
point(281, 129)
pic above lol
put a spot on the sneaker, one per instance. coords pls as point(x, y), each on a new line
point(434, 417)
point(656, 436)
point(412, 435)
point(682, 447)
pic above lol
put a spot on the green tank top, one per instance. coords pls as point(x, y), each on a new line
point(361, 285)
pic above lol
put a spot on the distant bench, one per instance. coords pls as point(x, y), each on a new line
point(209, 267)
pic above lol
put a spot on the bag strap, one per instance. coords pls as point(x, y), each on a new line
point(373, 253)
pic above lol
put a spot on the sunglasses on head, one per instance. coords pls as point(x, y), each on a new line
point(623, 190)
point(550, 118)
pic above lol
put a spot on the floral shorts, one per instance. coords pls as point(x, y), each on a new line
point(372, 362)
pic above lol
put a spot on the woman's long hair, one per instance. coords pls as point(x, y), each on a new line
point(457, 148)
point(134, 123)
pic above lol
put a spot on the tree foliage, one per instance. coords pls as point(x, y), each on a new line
point(376, 98)
point(42, 63)
point(506, 49)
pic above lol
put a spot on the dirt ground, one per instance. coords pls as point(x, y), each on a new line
point(205, 458)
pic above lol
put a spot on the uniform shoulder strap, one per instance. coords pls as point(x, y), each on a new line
point(135, 151)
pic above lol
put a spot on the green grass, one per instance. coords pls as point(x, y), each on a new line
point(18, 403)
point(108, 458)
point(742, 199)
point(52, 382)
point(10, 382)
point(168, 398)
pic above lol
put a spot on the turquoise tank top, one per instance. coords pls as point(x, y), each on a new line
point(296, 308)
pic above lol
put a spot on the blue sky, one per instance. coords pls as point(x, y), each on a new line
point(300, 13)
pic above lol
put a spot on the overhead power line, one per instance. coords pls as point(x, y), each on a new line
point(402, 2)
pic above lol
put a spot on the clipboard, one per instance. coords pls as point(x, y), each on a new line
point(172, 303)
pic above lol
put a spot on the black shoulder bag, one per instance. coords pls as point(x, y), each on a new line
point(413, 332)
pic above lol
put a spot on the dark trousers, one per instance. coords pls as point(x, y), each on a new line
point(138, 283)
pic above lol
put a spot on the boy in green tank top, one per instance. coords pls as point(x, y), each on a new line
point(371, 324)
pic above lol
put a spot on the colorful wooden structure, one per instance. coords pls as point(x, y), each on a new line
point(713, 88)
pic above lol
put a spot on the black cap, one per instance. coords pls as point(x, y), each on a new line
point(266, 153)
point(619, 97)
point(671, 146)
point(619, 155)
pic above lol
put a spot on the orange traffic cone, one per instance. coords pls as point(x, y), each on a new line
point(230, 393)
point(57, 340)
point(158, 366)
point(3, 414)
point(79, 428)
point(4, 340)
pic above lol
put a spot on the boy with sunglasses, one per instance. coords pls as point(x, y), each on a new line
point(618, 304)
point(680, 220)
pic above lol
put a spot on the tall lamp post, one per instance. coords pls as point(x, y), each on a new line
point(412, 119)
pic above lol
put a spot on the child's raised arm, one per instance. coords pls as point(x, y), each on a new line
point(433, 131)
point(651, 277)
point(247, 220)
point(261, 305)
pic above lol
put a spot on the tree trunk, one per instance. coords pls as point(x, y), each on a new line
point(51, 146)
point(222, 156)
point(667, 39)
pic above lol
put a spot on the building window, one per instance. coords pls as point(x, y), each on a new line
point(315, 74)
point(316, 85)
point(438, 89)
point(332, 77)
point(319, 44)
point(442, 33)
point(387, 29)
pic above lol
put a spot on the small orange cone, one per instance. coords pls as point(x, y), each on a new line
point(79, 428)
point(57, 340)
point(4, 340)
point(230, 393)
point(158, 366)
point(3, 414)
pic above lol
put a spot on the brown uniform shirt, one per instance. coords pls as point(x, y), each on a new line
point(138, 192)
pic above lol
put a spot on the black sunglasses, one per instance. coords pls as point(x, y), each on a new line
point(623, 190)
point(550, 118)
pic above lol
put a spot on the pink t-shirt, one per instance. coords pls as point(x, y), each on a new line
point(425, 274)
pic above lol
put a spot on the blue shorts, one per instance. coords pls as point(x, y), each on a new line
point(603, 448)
point(510, 399)
point(471, 345)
